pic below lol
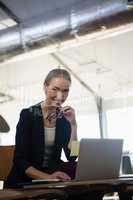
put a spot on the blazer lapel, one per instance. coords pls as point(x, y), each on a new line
point(39, 129)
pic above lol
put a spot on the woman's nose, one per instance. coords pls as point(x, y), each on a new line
point(59, 95)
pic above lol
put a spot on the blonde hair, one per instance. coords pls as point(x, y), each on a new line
point(55, 73)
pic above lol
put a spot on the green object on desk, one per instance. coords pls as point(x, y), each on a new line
point(74, 148)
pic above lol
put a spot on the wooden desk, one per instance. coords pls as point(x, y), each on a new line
point(106, 182)
point(12, 194)
point(62, 190)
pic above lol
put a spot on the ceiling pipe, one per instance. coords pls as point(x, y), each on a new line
point(9, 12)
point(62, 25)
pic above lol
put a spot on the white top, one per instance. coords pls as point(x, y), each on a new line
point(49, 144)
point(49, 135)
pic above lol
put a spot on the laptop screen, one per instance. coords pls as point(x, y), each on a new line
point(99, 159)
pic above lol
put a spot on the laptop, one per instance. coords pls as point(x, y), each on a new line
point(99, 159)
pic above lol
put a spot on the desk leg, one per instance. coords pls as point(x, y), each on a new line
point(125, 195)
point(86, 196)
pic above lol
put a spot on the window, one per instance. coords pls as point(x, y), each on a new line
point(120, 125)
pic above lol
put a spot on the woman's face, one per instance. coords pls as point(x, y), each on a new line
point(57, 91)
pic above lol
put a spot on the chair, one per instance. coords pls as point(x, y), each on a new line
point(126, 165)
point(6, 158)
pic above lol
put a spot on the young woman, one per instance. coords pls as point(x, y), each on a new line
point(42, 132)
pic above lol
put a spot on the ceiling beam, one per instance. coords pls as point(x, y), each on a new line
point(62, 63)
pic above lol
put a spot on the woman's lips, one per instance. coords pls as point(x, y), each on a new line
point(57, 103)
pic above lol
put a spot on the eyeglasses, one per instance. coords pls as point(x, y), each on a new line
point(56, 114)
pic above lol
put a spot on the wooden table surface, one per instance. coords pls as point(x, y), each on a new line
point(61, 189)
point(72, 183)
point(12, 194)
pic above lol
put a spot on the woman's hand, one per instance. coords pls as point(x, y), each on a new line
point(37, 174)
point(69, 114)
point(59, 175)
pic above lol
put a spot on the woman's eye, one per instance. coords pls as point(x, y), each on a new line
point(54, 89)
point(65, 91)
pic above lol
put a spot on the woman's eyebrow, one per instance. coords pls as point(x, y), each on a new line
point(64, 90)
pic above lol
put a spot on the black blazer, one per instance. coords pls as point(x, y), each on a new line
point(30, 141)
